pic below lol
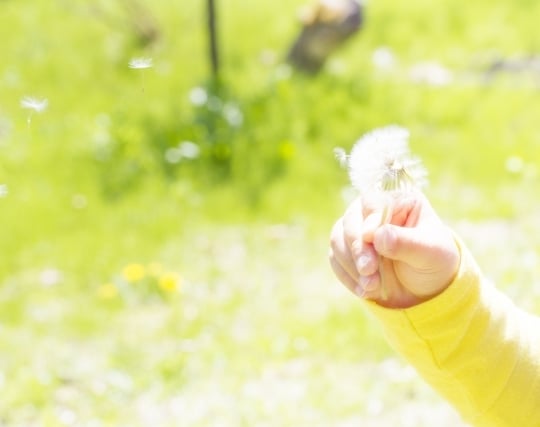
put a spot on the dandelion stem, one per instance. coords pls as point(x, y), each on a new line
point(386, 216)
point(384, 290)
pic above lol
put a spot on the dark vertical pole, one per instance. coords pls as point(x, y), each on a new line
point(212, 33)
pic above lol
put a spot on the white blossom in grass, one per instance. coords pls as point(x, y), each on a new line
point(189, 149)
point(140, 63)
point(198, 96)
point(381, 167)
point(185, 150)
point(514, 164)
point(383, 58)
point(431, 73)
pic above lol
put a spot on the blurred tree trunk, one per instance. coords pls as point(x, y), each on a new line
point(212, 38)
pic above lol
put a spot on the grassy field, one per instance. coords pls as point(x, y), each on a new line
point(164, 238)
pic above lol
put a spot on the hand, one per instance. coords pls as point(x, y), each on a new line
point(400, 264)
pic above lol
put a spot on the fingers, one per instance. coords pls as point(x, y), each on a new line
point(353, 255)
point(352, 222)
point(397, 263)
point(340, 254)
point(364, 257)
point(354, 261)
point(342, 274)
point(416, 247)
point(362, 253)
point(363, 286)
point(426, 259)
point(405, 211)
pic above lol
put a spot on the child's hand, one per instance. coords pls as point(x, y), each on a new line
point(416, 252)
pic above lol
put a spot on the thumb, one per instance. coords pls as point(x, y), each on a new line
point(417, 247)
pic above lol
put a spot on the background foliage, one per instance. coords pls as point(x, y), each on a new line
point(164, 238)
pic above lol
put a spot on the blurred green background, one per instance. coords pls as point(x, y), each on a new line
point(164, 238)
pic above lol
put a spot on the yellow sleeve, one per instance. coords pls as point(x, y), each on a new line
point(475, 347)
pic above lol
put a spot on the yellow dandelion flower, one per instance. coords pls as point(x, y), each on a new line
point(134, 272)
point(107, 291)
point(169, 282)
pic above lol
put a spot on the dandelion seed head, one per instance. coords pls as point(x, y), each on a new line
point(140, 63)
point(380, 161)
point(35, 104)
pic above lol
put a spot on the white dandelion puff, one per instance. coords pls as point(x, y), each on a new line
point(140, 63)
point(381, 162)
point(381, 166)
point(34, 104)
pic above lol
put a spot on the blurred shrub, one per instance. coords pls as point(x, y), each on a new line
point(217, 139)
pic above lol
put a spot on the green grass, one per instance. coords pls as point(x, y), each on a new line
point(258, 332)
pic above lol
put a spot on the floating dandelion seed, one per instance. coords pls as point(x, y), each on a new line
point(140, 63)
point(34, 105)
point(380, 164)
point(37, 105)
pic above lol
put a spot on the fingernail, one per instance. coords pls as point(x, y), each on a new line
point(371, 223)
point(367, 283)
point(356, 246)
point(359, 291)
point(389, 240)
point(362, 262)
